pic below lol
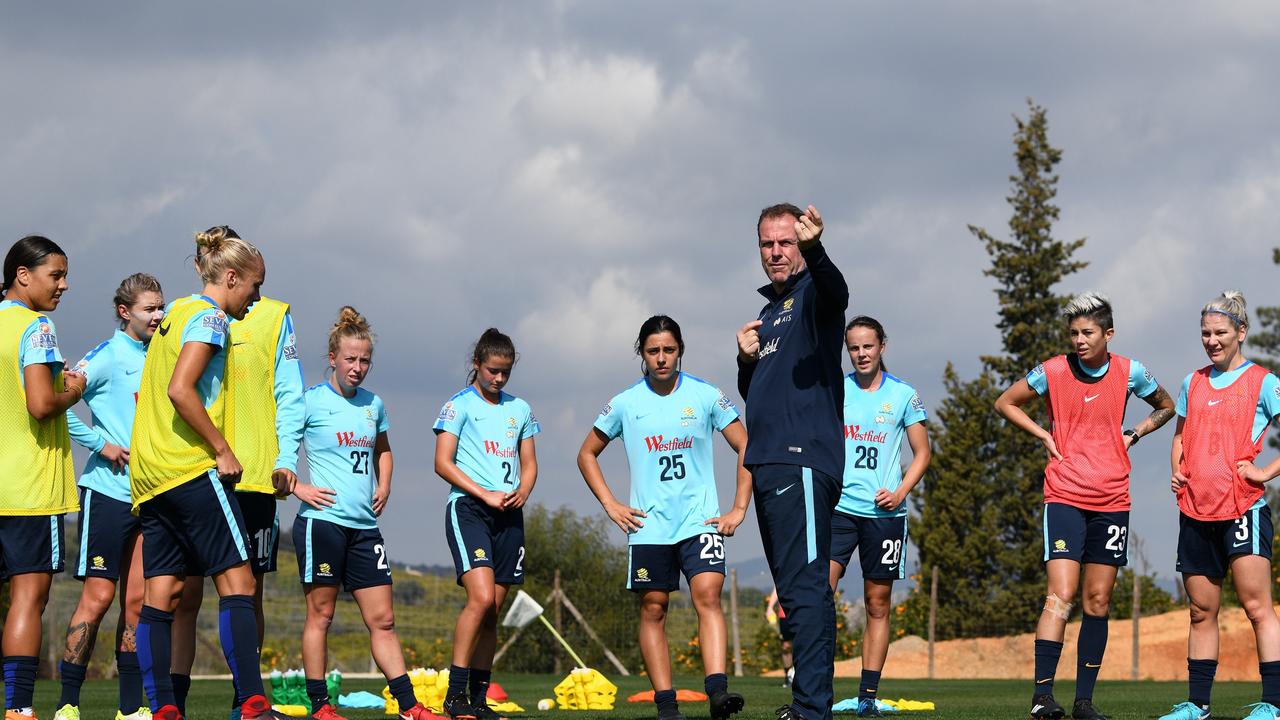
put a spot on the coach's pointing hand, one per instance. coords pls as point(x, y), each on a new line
point(809, 228)
point(749, 341)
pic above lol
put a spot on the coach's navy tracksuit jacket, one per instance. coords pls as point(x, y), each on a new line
point(794, 395)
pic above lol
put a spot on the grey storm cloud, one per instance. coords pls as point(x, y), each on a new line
point(562, 170)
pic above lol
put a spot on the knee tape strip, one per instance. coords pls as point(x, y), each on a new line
point(1057, 606)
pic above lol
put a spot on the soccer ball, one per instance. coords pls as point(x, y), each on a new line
point(546, 704)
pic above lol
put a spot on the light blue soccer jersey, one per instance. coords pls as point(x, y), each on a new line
point(1141, 382)
point(875, 423)
point(113, 372)
point(1268, 395)
point(287, 391)
point(340, 435)
point(210, 326)
point(39, 342)
point(489, 437)
point(668, 441)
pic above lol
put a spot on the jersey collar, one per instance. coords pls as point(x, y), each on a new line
point(772, 295)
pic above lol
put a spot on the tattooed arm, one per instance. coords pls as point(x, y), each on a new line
point(1162, 411)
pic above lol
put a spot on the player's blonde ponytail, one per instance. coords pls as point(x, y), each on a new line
point(219, 249)
point(350, 324)
point(1230, 303)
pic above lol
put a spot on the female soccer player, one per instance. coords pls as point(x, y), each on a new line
point(871, 514)
point(182, 472)
point(667, 421)
point(1086, 487)
point(36, 470)
point(267, 430)
point(336, 532)
point(1225, 524)
point(110, 535)
point(484, 449)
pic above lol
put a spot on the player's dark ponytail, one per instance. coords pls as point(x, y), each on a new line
point(874, 325)
point(29, 252)
point(492, 343)
point(653, 326)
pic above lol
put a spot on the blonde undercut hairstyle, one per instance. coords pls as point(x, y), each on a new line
point(219, 249)
point(1230, 303)
point(1092, 305)
point(350, 324)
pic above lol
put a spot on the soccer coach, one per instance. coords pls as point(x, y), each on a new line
point(789, 374)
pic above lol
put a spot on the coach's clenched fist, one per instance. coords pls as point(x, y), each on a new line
point(749, 341)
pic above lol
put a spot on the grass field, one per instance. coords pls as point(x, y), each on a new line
point(961, 699)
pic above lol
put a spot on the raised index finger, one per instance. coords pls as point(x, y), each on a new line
point(752, 325)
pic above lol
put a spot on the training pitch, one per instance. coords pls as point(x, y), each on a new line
point(961, 699)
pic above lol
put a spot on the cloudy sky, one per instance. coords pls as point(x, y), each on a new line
point(562, 170)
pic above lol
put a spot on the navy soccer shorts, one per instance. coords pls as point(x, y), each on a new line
point(880, 542)
point(30, 543)
point(480, 537)
point(1086, 536)
point(106, 526)
point(195, 528)
point(658, 567)
point(1205, 547)
point(329, 553)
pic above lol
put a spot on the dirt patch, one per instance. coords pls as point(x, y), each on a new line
point(1162, 641)
point(1162, 656)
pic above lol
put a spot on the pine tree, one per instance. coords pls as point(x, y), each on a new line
point(979, 511)
point(1263, 344)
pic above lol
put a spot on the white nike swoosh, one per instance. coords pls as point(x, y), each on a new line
point(1090, 398)
point(782, 490)
point(1240, 544)
point(1214, 402)
point(715, 562)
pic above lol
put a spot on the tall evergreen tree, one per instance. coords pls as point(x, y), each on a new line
point(981, 503)
point(1263, 344)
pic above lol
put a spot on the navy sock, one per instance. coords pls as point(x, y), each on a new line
point(1090, 647)
point(155, 654)
point(666, 702)
point(1047, 654)
point(72, 678)
point(870, 684)
point(318, 693)
point(457, 680)
point(1270, 672)
point(181, 688)
point(1200, 681)
point(238, 631)
point(19, 681)
point(478, 684)
point(714, 683)
point(402, 690)
point(130, 682)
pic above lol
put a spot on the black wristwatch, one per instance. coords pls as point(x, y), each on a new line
point(1133, 433)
